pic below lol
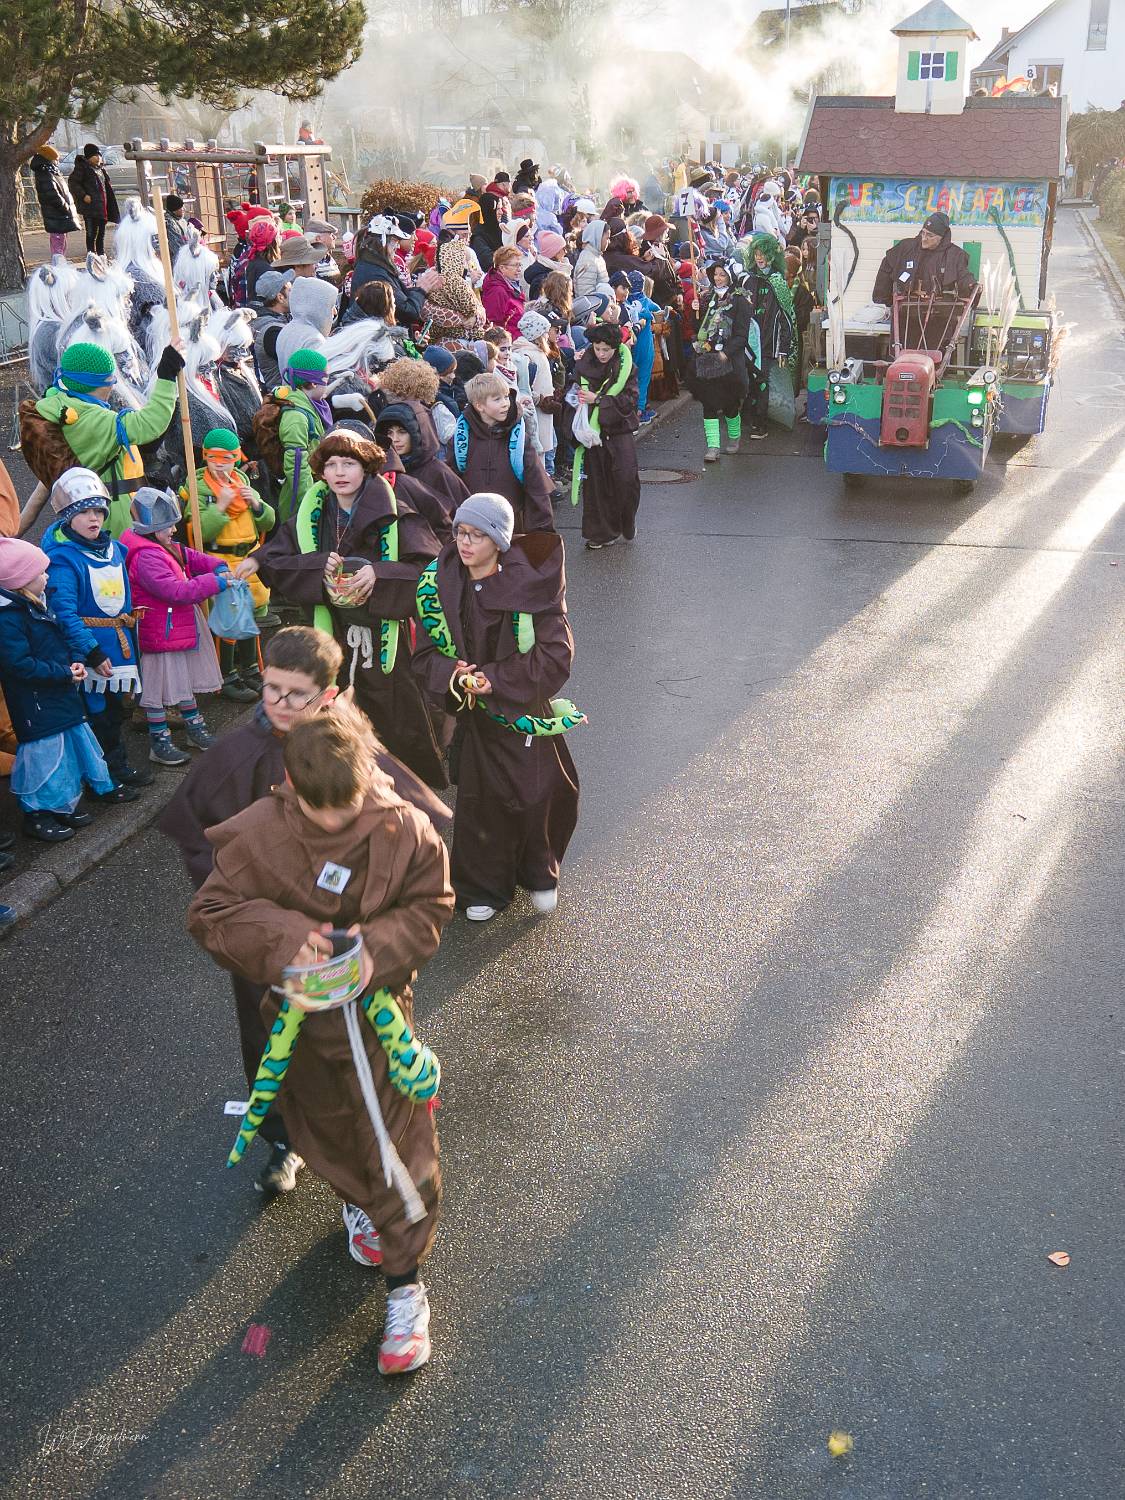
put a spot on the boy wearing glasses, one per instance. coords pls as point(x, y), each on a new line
point(298, 681)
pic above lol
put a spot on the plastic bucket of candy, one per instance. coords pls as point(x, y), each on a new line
point(340, 587)
point(333, 981)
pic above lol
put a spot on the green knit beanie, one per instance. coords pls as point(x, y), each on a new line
point(222, 437)
point(306, 367)
point(85, 367)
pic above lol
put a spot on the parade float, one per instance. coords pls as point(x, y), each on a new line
point(920, 387)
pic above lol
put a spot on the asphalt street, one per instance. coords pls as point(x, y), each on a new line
point(768, 1132)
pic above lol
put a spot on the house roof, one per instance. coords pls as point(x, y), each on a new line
point(1009, 139)
point(999, 53)
point(933, 17)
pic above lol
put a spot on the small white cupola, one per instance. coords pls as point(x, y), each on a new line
point(933, 69)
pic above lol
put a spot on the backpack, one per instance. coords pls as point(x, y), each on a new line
point(516, 440)
point(45, 450)
point(267, 434)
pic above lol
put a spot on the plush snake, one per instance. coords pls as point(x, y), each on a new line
point(431, 615)
point(413, 1068)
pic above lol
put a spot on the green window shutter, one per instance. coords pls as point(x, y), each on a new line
point(951, 65)
point(912, 61)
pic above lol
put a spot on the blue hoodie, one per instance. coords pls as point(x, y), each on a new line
point(35, 674)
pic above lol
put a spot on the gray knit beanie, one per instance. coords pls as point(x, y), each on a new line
point(491, 514)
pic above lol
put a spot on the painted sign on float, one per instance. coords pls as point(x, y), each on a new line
point(898, 200)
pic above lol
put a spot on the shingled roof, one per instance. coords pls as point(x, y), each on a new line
point(1012, 139)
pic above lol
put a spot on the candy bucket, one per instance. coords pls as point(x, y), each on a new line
point(340, 586)
point(335, 980)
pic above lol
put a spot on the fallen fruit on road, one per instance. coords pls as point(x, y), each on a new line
point(840, 1443)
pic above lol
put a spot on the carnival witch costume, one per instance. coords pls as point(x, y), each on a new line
point(607, 469)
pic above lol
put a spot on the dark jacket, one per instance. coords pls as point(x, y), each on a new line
point(243, 767)
point(409, 301)
point(945, 268)
point(35, 659)
point(488, 469)
point(87, 181)
point(55, 203)
point(665, 279)
point(423, 465)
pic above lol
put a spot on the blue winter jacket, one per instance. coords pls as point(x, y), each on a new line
point(35, 659)
point(90, 580)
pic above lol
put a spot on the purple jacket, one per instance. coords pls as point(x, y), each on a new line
point(164, 594)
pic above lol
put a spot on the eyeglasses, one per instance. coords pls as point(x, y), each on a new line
point(294, 697)
point(467, 534)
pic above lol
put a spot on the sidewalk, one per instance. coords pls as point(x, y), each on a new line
point(44, 871)
point(1108, 261)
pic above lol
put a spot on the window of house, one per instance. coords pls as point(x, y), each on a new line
point(1099, 26)
point(1046, 79)
point(929, 65)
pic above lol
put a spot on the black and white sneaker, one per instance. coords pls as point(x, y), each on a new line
point(279, 1175)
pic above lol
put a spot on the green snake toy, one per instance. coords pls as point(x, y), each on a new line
point(431, 615)
point(308, 524)
point(413, 1068)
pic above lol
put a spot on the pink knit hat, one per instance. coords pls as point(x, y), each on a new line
point(20, 562)
point(550, 243)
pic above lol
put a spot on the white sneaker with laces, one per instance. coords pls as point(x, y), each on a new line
point(545, 902)
point(406, 1336)
point(480, 913)
point(363, 1237)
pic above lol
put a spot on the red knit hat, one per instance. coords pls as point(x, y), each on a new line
point(237, 217)
point(261, 232)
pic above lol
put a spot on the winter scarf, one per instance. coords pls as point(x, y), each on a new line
point(611, 386)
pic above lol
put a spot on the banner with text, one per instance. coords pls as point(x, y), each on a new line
point(898, 200)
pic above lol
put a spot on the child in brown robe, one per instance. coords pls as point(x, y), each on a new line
point(494, 454)
point(299, 680)
point(353, 518)
point(611, 489)
point(517, 793)
point(337, 848)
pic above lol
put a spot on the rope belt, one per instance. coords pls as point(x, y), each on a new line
point(122, 624)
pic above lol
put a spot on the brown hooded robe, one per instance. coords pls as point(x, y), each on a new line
point(517, 795)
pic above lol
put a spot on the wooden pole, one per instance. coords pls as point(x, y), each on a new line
point(181, 378)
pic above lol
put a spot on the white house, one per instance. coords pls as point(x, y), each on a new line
point(1072, 47)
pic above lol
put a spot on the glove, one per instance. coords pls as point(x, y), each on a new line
point(349, 401)
point(225, 580)
point(171, 363)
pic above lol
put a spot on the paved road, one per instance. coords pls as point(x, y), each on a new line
point(768, 1132)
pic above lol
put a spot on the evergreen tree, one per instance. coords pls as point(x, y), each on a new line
point(64, 59)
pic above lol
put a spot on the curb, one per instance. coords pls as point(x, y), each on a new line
point(666, 411)
point(62, 866)
point(1109, 266)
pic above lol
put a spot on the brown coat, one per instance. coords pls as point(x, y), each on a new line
point(488, 470)
point(254, 912)
point(517, 795)
point(389, 699)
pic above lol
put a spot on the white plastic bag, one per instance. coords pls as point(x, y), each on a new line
point(583, 428)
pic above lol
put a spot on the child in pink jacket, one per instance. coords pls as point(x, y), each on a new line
point(178, 656)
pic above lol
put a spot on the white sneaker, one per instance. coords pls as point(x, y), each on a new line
point(480, 913)
point(406, 1337)
point(363, 1237)
point(545, 902)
